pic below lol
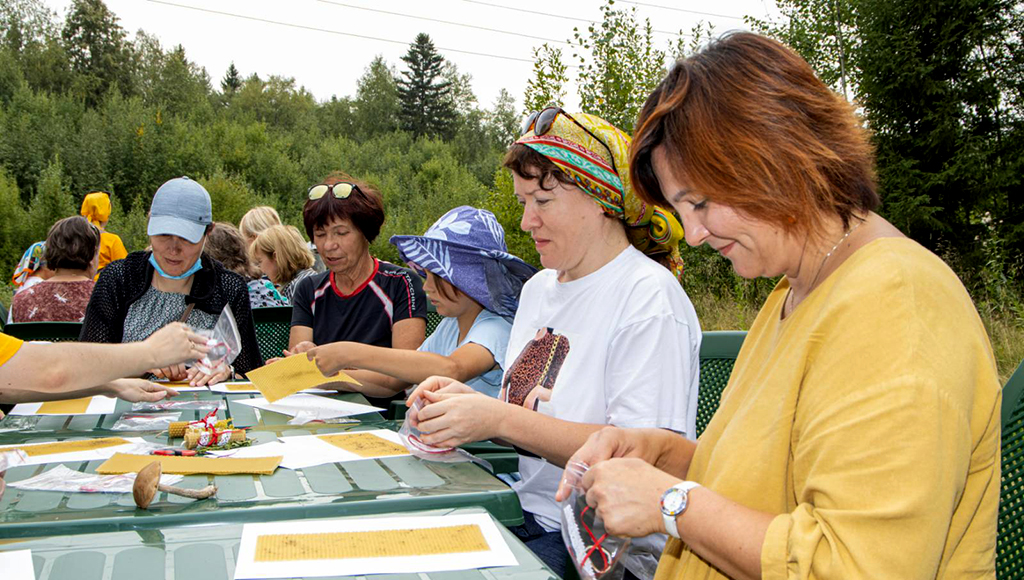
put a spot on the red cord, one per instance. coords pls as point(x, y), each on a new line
point(596, 545)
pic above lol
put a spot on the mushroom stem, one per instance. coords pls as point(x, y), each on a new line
point(192, 493)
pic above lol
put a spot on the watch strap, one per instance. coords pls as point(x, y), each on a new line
point(670, 520)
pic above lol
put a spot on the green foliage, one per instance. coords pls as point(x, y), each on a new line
point(97, 50)
point(502, 202)
point(13, 226)
point(547, 85)
point(619, 66)
point(51, 202)
point(232, 80)
point(377, 103)
point(427, 107)
point(503, 121)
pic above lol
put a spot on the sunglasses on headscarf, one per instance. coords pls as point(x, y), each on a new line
point(339, 190)
point(542, 121)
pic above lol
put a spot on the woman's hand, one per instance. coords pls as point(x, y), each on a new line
point(626, 492)
point(174, 344)
point(612, 442)
point(198, 378)
point(300, 347)
point(437, 385)
point(172, 373)
point(330, 358)
point(452, 416)
point(136, 390)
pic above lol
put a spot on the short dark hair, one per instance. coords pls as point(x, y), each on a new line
point(71, 244)
point(528, 164)
point(748, 124)
point(226, 245)
point(364, 208)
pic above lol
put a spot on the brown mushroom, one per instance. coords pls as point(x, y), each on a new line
point(147, 483)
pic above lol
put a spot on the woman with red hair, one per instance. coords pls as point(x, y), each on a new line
point(858, 436)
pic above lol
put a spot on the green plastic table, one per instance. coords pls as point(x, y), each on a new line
point(243, 415)
point(205, 553)
point(369, 486)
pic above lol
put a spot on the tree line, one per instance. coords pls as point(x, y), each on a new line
point(83, 107)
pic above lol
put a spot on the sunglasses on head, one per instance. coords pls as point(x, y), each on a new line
point(542, 121)
point(339, 190)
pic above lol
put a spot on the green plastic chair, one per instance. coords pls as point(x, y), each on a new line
point(273, 325)
point(433, 318)
point(718, 350)
point(1010, 541)
point(48, 331)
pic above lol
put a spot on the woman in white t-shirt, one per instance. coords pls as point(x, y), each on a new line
point(603, 336)
point(474, 283)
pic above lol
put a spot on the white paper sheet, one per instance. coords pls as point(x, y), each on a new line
point(499, 554)
point(314, 406)
point(104, 453)
point(17, 565)
point(99, 405)
point(223, 388)
point(308, 450)
point(61, 478)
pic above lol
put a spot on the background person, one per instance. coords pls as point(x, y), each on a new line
point(474, 283)
point(142, 293)
point(858, 436)
point(283, 257)
point(72, 250)
point(262, 217)
point(31, 269)
point(226, 245)
point(96, 209)
point(603, 335)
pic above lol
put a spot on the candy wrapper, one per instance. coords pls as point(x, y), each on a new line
point(596, 553)
point(209, 432)
point(412, 438)
point(224, 341)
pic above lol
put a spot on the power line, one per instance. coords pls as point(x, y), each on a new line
point(328, 31)
point(563, 17)
point(673, 8)
point(427, 18)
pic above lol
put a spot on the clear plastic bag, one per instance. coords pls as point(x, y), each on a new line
point(146, 422)
point(224, 341)
point(193, 405)
point(597, 554)
point(412, 438)
point(20, 423)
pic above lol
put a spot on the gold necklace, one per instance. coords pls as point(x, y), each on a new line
point(789, 294)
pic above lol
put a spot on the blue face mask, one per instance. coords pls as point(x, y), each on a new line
point(195, 268)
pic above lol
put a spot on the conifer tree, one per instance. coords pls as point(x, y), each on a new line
point(232, 80)
point(426, 106)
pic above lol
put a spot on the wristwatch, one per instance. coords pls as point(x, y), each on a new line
point(674, 502)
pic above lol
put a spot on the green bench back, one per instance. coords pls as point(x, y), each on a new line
point(718, 350)
point(50, 331)
point(1010, 541)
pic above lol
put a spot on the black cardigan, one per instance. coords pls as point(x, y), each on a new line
point(123, 282)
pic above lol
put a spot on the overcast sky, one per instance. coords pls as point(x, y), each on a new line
point(326, 44)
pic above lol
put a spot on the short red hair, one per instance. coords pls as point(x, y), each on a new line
point(364, 207)
point(746, 123)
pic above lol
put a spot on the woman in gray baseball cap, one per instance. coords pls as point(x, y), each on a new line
point(175, 281)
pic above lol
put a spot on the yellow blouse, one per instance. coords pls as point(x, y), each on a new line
point(869, 421)
point(111, 249)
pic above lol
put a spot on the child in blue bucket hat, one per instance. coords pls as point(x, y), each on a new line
point(474, 283)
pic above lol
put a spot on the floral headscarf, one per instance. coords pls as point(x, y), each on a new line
point(650, 229)
point(30, 261)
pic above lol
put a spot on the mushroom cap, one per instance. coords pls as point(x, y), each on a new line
point(146, 483)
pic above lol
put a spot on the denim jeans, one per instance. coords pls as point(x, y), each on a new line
point(548, 546)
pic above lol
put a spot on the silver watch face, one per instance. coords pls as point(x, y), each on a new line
point(673, 502)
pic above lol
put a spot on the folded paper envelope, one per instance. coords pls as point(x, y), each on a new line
point(290, 375)
point(125, 463)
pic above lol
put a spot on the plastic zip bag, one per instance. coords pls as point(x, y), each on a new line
point(412, 438)
point(596, 553)
point(145, 422)
point(193, 405)
point(61, 478)
point(224, 341)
